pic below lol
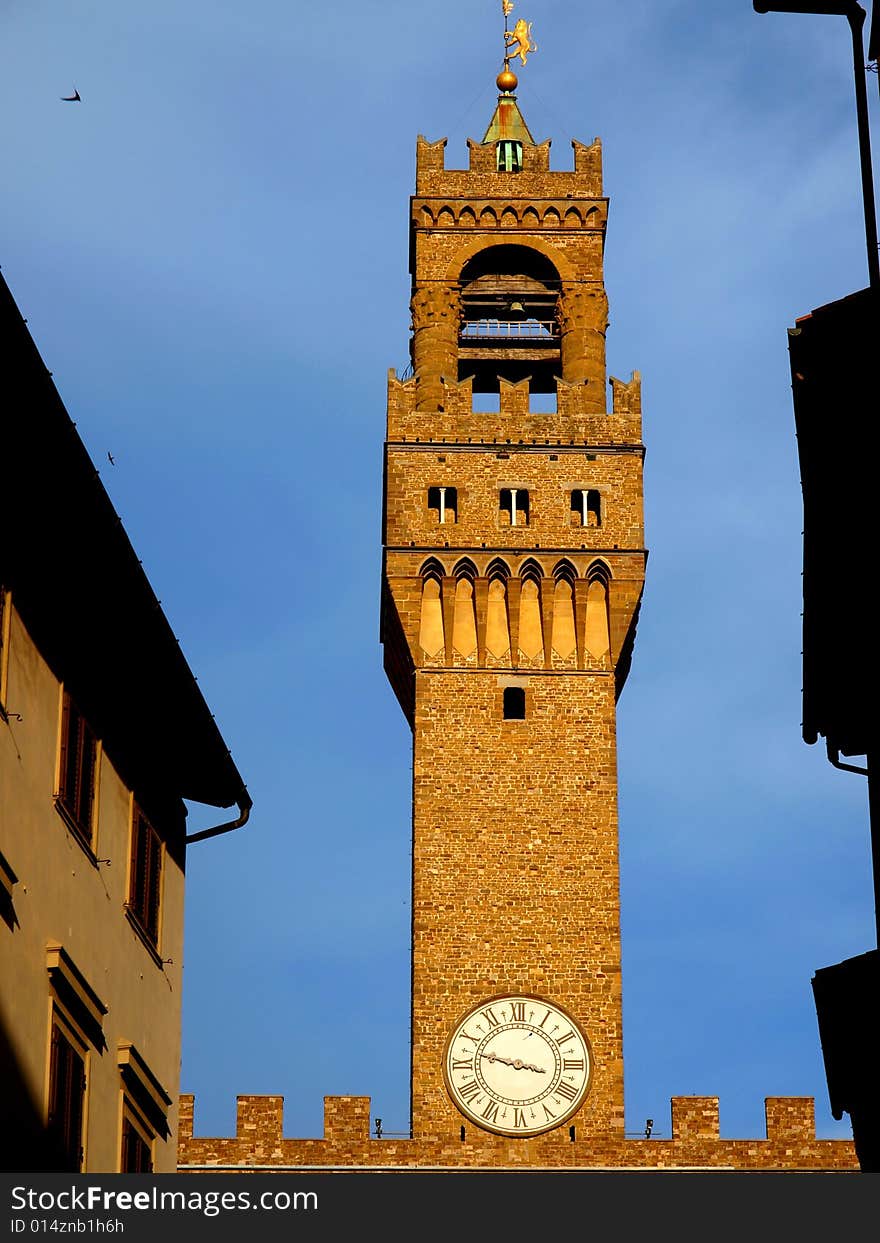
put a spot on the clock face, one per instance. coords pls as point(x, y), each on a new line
point(517, 1065)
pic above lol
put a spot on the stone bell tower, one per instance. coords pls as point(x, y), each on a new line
point(513, 568)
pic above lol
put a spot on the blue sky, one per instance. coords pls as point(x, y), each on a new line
point(211, 252)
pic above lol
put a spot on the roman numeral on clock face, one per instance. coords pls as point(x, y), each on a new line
point(566, 1090)
point(573, 1063)
point(519, 1118)
point(467, 1064)
point(568, 1035)
point(517, 1011)
point(490, 1113)
point(489, 1017)
point(467, 1091)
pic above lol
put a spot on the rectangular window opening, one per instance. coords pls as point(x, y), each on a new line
point(513, 504)
point(586, 507)
point(79, 753)
point(514, 703)
point(137, 1151)
point(443, 505)
point(146, 875)
point(67, 1089)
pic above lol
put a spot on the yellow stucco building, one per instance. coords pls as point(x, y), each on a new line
point(103, 734)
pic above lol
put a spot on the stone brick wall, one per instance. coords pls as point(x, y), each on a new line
point(515, 870)
point(790, 1143)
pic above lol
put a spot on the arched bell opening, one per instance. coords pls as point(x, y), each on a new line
point(509, 326)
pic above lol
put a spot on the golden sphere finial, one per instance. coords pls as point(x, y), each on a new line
point(507, 80)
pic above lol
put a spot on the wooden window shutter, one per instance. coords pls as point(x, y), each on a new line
point(154, 882)
point(67, 1086)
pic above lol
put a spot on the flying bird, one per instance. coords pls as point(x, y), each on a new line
point(111, 458)
point(72, 99)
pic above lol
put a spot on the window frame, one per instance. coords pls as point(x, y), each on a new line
point(147, 869)
point(5, 628)
point(514, 496)
point(73, 763)
point(134, 1126)
point(62, 1029)
point(446, 507)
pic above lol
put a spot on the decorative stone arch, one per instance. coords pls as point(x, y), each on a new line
point(598, 571)
point(432, 639)
point(465, 568)
point(593, 218)
point(427, 218)
point(551, 218)
point(432, 569)
point(509, 218)
point(445, 218)
point(563, 630)
point(498, 569)
point(473, 247)
point(531, 569)
point(573, 218)
point(564, 571)
point(467, 218)
point(488, 218)
point(530, 218)
point(497, 631)
point(597, 636)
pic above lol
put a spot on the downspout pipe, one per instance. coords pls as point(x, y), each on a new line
point(834, 758)
point(244, 803)
point(873, 818)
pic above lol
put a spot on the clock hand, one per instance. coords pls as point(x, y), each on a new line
point(515, 1062)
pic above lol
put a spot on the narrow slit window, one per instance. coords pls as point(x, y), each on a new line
point(443, 505)
point(514, 703)
point(586, 508)
point(513, 504)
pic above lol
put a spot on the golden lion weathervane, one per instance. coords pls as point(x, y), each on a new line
point(517, 42)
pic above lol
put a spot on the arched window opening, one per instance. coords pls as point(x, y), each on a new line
point(509, 326)
point(443, 505)
point(514, 703)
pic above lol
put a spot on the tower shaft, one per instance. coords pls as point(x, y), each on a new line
point(513, 568)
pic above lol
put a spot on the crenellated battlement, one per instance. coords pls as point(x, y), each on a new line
point(789, 1143)
point(575, 420)
point(535, 180)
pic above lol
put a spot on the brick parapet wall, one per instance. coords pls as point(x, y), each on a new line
point(790, 1143)
point(534, 182)
point(455, 421)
